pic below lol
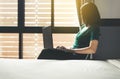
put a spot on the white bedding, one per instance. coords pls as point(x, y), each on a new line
point(56, 69)
point(115, 62)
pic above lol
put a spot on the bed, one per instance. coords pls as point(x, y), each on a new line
point(58, 69)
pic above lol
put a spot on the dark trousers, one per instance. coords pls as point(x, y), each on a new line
point(59, 55)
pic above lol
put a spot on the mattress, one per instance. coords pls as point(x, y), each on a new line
point(57, 69)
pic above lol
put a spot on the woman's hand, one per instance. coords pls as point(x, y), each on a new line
point(64, 49)
point(60, 47)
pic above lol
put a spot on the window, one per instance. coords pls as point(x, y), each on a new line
point(37, 14)
point(10, 41)
point(8, 18)
point(9, 45)
point(32, 45)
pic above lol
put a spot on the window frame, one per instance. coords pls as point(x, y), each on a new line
point(20, 29)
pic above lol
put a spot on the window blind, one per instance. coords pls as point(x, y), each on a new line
point(8, 13)
point(9, 45)
point(66, 13)
point(37, 13)
point(65, 16)
point(32, 45)
point(8, 18)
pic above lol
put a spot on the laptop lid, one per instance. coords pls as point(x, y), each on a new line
point(47, 37)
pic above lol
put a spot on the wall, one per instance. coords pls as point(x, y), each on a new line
point(109, 8)
point(109, 43)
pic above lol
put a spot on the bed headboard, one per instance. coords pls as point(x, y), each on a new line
point(109, 43)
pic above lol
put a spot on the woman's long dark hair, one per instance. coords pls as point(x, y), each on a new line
point(90, 14)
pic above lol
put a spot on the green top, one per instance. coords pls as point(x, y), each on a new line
point(85, 35)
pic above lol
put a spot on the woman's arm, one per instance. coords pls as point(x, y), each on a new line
point(91, 49)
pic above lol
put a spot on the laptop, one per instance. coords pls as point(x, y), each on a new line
point(47, 37)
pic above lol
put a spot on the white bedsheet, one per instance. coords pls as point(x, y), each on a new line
point(115, 62)
point(56, 69)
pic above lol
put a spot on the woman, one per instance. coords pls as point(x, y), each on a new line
point(87, 38)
